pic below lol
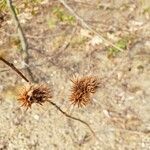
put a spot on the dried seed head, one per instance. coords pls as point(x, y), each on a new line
point(34, 94)
point(82, 89)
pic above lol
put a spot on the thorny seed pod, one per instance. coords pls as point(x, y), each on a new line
point(34, 94)
point(82, 89)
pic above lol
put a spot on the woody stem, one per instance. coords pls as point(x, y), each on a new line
point(13, 68)
point(71, 117)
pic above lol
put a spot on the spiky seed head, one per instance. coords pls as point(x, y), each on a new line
point(91, 84)
point(34, 94)
point(82, 89)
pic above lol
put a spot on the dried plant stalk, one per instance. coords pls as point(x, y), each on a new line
point(83, 23)
point(13, 68)
point(23, 40)
point(74, 118)
point(40, 94)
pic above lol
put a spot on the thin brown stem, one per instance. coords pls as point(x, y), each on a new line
point(23, 40)
point(13, 68)
point(71, 117)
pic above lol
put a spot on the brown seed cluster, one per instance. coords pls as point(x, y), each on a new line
point(34, 94)
point(82, 90)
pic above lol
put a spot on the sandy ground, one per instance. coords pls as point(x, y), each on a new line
point(119, 111)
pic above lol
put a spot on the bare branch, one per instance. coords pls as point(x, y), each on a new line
point(20, 31)
point(80, 19)
point(71, 117)
point(14, 68)
point(23, 40)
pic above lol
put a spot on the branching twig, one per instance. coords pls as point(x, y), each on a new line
point(14, 68)
point(87, 26)
point(71, 117)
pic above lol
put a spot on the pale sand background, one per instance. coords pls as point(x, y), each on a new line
point(120, 110)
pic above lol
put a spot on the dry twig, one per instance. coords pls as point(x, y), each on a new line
point(24, 43)
point(80, 19)
point(39, 94)
point(71, 117)
point(13, 68)
point(23, 40)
